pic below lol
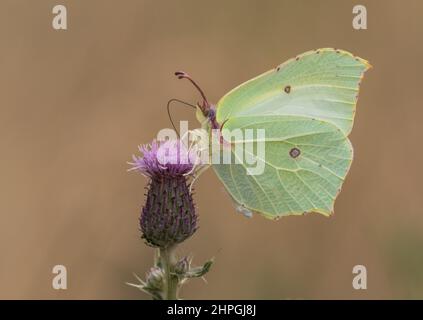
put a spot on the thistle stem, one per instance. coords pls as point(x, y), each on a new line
point(168, 260)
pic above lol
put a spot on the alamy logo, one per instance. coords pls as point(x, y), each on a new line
point(360, 280)
point(59, 281)
point(245, 147)
point(60, 20)
point(360, 18)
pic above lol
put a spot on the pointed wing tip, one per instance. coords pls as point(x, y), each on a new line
point(364, 61)
point(328, 214)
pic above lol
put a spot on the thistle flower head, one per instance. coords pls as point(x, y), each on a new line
point(168, 216)
point(166, 158)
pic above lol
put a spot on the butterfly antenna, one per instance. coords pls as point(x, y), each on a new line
point(206, 105)
point(169, 114)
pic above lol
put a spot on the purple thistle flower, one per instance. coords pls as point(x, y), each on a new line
point(168, 216)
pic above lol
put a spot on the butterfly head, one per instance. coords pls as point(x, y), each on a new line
point(205, 110)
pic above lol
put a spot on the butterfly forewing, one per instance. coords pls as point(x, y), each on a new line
point(322, 84)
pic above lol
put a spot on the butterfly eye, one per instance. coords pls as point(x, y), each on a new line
point(294, 152)
point(211, 114)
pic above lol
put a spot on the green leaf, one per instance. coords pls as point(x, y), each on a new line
point(198, 272)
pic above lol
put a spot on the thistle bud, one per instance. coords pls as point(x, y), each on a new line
point(182, 266)
point(154, 279)
point(168, 216)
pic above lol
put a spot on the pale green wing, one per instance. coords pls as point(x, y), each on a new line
point(320, 84)
point(307, 104)
point(290, 184)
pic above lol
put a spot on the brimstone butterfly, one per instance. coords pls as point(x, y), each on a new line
point(306, 106)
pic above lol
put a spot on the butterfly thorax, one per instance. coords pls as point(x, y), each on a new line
point(211, 116)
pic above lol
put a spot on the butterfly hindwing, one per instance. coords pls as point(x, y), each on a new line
point(304, 165)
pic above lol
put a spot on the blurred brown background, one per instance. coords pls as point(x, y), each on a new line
point(75, 104)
